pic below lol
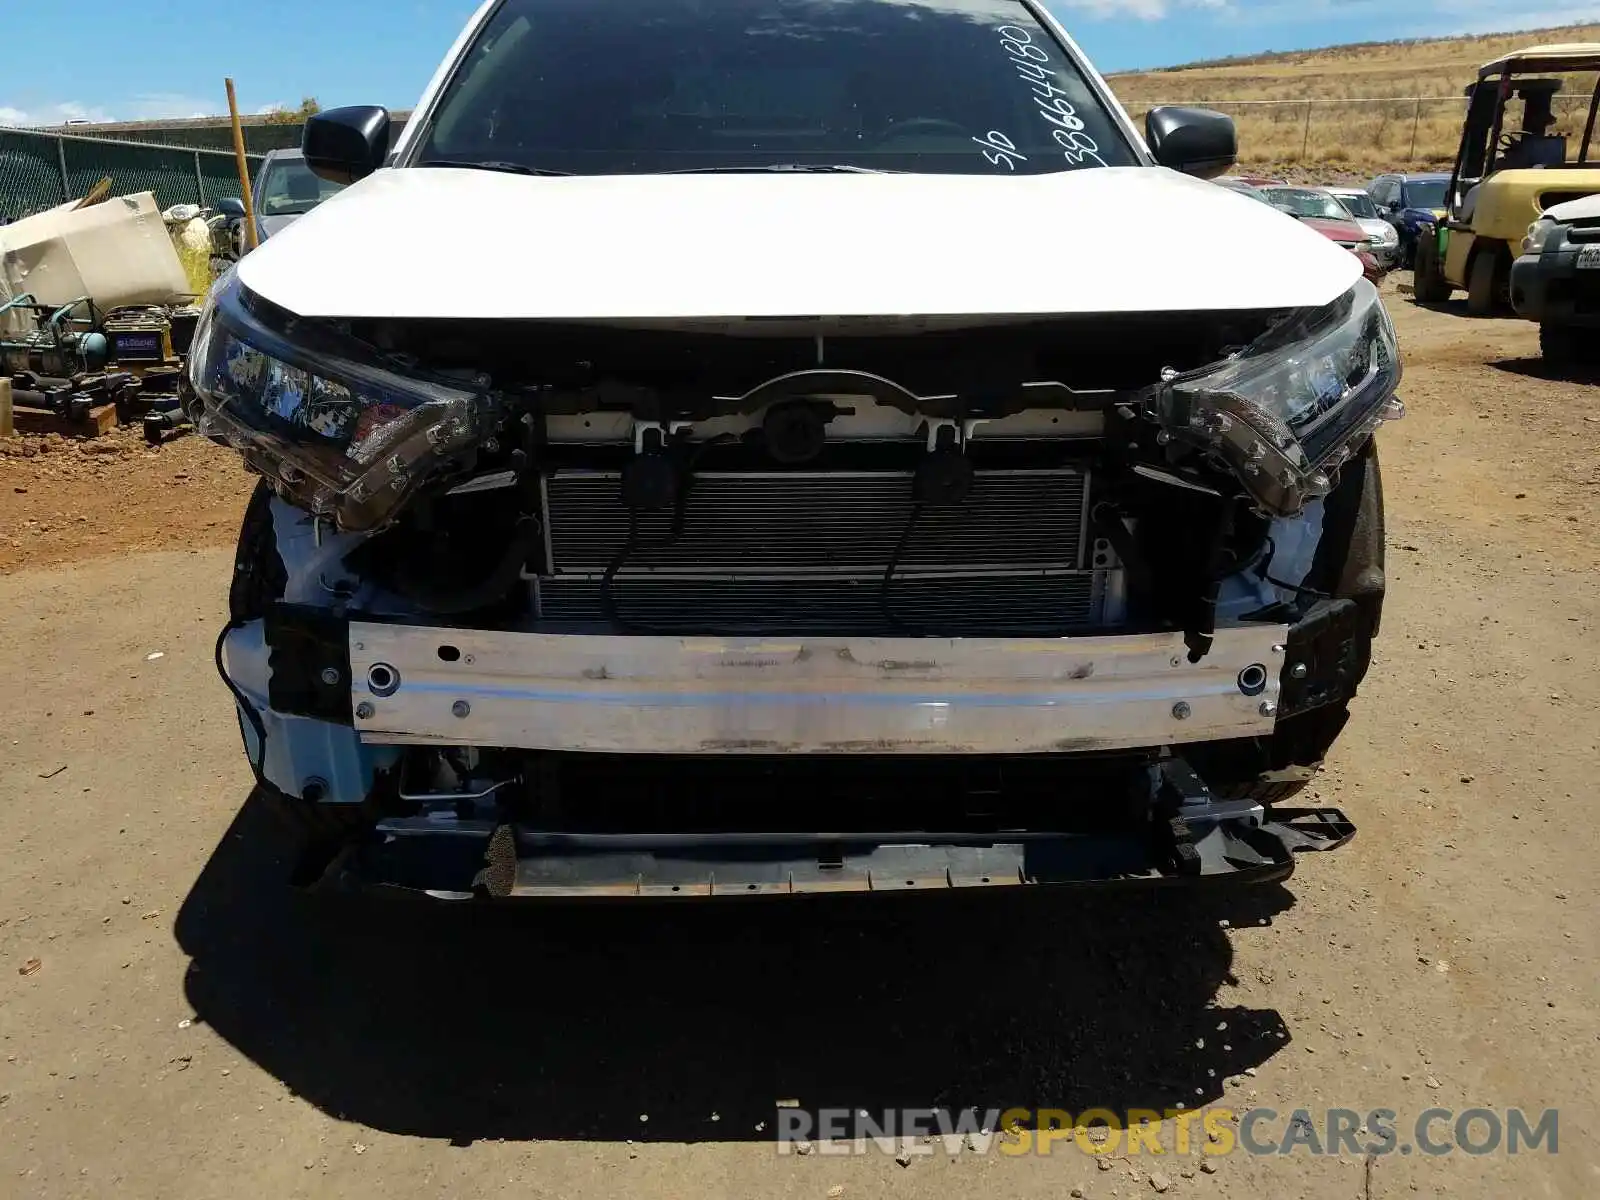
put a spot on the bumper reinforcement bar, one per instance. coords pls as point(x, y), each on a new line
point(413, 685)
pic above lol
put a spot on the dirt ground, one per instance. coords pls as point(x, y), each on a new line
point(175, 1023)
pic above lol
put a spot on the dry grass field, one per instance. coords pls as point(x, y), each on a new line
point(1338, 86)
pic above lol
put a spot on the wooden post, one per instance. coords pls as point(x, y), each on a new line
point(1305, 138)
point(1416, 117)
point(243, 164)
point(6, 429)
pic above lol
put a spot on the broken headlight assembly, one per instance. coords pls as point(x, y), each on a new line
point(1288, 410)
point(339, 431)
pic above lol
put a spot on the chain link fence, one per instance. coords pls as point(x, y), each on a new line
point(206, 133)
point(259, 137)
point(41, 170)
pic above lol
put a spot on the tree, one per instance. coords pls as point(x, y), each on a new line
point(295, 116)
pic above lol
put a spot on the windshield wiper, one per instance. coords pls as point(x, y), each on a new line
point(491, 164)
point(781, 168)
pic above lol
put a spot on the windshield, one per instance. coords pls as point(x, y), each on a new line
point(949, 86)
point(1359, 204)
point(1303, 202)
point(1425, 193)
point(1244, 189)
point(288, 188)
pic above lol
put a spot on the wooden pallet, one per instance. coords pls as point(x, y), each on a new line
point(101, 419)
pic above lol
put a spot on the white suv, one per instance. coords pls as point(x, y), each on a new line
point(743, 446)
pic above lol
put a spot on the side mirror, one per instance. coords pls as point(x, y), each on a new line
point(343, 145)
point(231, 207)
point(1195, 141)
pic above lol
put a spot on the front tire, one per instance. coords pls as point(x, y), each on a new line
point(1484, 285)
point(1428, 283)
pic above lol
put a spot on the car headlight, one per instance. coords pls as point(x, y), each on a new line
point(1538, 234)
point(338, 432)
point(1288, 410)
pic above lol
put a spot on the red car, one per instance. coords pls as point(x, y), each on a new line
point(1329, 218)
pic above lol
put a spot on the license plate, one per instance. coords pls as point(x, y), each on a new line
point(1589, 258)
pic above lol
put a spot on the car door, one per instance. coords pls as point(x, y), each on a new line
point(1386, 195)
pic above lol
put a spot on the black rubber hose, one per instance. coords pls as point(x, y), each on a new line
point(1263, 571)
point(894, 565)
point(1202, 631)
point(608, 605)
point(680, 509)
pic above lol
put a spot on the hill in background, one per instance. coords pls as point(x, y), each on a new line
point(1362, 114)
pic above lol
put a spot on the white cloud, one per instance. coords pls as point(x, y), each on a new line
point(150, 106)
point(1472, 16)
point(52, 114)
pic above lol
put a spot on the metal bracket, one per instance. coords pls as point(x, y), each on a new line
point(667, 430)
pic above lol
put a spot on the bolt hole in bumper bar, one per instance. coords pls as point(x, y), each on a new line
point(580, 694)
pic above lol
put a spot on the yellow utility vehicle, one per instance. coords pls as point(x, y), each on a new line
point(1507, 172)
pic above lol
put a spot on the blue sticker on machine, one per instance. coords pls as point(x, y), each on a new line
point(138, 346)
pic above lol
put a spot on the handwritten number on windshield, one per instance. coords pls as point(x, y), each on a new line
point(1033, 68)
point(1000, 150)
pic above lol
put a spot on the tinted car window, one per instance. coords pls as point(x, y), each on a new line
point(957, 86)
point(1382, 190)
point(1425, 193)
point(288, 188)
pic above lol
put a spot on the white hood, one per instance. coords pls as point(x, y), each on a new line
point(443, 242)
point(1585, 208)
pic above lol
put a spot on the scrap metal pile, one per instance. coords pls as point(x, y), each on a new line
point(96, 316)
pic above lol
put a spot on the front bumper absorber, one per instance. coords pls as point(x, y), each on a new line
point(1189, 838)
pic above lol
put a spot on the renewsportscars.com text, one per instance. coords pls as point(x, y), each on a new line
point(1210, 1131)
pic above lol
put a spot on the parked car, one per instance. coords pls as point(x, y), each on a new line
point(1410, 203)
point(1246, 189)
point(1556, 281)
point(753, 513)
point(1318, 210)
point(285, 190)
point(1382, 239)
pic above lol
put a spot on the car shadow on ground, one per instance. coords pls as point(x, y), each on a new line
point(1454, 307)
point(468, 1021)
point(1543, 369)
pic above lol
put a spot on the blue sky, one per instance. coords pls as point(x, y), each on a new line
point(163, 58)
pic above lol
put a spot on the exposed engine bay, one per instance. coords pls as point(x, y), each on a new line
point(796, 542)
point(994, 480)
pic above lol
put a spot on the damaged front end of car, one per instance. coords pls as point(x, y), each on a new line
point(744, 606)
